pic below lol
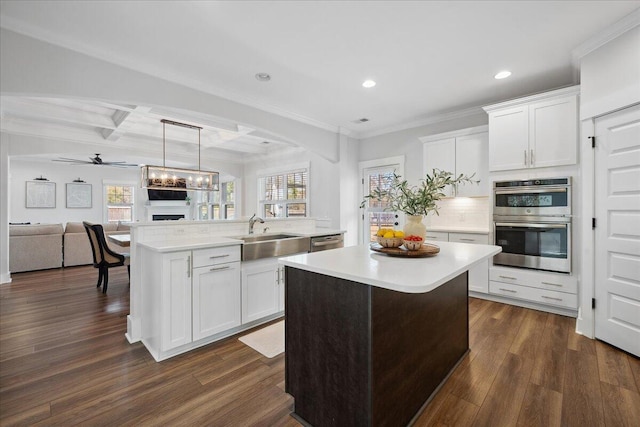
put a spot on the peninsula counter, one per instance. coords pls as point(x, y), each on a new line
point(369, 338)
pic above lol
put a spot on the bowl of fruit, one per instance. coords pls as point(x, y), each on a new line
point(412, 243)
point(389, 238)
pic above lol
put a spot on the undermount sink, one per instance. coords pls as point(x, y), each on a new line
point(258, 246)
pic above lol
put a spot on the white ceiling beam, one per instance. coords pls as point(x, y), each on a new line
point(41, 111)
point(124, 121)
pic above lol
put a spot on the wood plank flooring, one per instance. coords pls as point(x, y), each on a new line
point(64, 361)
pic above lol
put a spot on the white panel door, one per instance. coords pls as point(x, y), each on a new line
point(472, 158)
point(216, 299)
point(617, 239)
point(441, 155)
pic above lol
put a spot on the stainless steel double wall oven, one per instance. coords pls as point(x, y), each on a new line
point(532, 223)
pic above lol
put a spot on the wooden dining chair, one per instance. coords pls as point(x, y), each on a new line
point(103, 257)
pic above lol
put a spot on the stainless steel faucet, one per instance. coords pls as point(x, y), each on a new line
point(252, 222)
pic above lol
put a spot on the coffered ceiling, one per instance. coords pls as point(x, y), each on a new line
point(428, 58)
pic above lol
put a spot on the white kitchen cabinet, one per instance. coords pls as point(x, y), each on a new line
point(175, 301)
point(460, 152)
point(261, 293)
point(188, 296)
point(437, 236)
point(534, 132)
point(216, 299)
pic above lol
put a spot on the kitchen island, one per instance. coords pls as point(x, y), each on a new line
point(369, 338)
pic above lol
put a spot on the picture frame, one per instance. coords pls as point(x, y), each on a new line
point(40, 194)
point(79, 195)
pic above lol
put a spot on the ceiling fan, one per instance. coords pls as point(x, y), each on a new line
point(95, 161)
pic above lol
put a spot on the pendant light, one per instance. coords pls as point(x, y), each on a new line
point(177, 179)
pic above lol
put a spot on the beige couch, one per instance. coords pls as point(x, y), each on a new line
point(76, 246)
point(35, 247)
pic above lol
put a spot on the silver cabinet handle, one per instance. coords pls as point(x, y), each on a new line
point(189, 266)
point(525, 157)
point(509, 290)
point(278, 275)
point(467, 240)
point(218, 256)
point(555, 299)
point(531, 157)
point(507, 277)
point(552, 284)
point(219, 268)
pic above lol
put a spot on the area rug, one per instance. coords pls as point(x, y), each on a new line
point(268, 341)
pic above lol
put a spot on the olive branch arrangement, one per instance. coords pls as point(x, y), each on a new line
point(420, 199)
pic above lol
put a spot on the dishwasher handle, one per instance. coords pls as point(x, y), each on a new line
point(325, 242)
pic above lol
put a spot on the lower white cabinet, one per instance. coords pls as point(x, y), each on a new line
point(216, 299)
point(478, 275)
point(182, 304)
point(262, 288)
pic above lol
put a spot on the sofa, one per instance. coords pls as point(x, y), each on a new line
point(76, 246)
point(35, 247)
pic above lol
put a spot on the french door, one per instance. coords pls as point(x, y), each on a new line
point(375, 216)
point(617, 238)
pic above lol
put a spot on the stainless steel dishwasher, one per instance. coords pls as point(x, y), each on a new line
point(323, 243)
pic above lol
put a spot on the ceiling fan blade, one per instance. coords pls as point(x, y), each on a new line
point(62, 159)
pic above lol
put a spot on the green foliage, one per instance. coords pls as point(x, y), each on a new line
point(416, 200)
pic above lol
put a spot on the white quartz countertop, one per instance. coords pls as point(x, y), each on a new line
point(409, 275)
point(190, 243)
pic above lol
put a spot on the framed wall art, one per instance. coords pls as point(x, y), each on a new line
point(41, 194)
point(78, 195)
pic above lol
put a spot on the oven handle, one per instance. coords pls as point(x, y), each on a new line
point(528, 225)
point(520, 190)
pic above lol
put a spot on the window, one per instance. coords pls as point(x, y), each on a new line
point(119, 202)
point(223, 201)
point(284, 195)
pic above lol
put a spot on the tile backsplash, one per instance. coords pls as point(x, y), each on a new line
point(472, 212)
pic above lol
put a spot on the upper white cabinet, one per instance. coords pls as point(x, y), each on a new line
point(534, 132)
point(460, 152)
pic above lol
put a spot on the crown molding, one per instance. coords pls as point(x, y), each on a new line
point(437, 118)
point(454, 133)
point(24, 29)
point(565, 91)
point(625, 24)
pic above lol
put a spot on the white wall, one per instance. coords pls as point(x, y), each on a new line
point(4, 210)
point(61, 174)
point(610, 80)
point(324, 182)
point(610, 76)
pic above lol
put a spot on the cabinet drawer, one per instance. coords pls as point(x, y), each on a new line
point(437, 235)
point(535, 279)
point(469, 238)
point(541, 296)
point(213, 256)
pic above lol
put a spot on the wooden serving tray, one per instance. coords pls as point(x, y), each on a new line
point(425, 250)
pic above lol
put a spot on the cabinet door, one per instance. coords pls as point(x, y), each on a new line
point(472, 158)
point(553, 132)
point(479, 277)
point(216, 299)
point(441, 155)
point(176, 300)
point(509, 139)
point(260, 290)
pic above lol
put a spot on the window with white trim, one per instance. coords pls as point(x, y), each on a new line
point(284, 194)
point(119, 202)
point(224, 201)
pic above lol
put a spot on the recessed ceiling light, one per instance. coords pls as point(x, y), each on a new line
point(502, 75)
point(368, 83)
point(263, 77)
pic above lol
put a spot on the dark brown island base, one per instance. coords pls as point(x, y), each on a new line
point(359, 354)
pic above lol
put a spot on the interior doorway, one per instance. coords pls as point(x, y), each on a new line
point(617, 233)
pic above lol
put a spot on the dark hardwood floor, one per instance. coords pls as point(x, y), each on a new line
point(64, 360)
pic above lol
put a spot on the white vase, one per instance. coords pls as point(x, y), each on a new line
point(415, 227)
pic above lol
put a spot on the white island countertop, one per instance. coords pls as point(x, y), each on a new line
point(190, 243)
point(409, 275)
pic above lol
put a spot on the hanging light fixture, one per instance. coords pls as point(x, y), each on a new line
point(177, 179)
